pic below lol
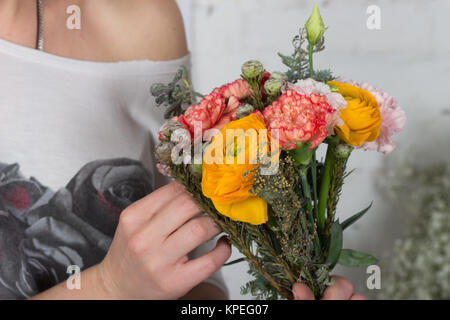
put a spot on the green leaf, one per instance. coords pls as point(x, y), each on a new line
point(287, 61)
point(353, 258)
point(234, 261)
point(335, 248)
point(347, 223)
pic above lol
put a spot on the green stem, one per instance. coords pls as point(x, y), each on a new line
point(277, 257)
point(311, 69)
point(309, 208)
point(325, 184)
point(256, 93)
point(314, 177)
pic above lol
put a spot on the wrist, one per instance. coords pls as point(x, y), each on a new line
point(107, 289)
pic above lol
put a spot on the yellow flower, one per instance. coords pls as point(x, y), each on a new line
point(362, 118)
point(226, 180)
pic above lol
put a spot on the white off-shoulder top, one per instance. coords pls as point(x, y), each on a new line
point(79, 133)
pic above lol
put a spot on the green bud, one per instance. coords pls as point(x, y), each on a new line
point(314, 26)
point(273, 87)
point(244, 110)
point(279, 76)
point(252, 69)
point(158, 89)
point(343, 151)
point(163, 152)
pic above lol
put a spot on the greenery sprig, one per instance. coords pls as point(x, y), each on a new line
point(175, 96)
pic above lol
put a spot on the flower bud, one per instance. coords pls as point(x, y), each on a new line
point(252, 69)
point(166, 130)
point(158, 89)
point(163, 152)
point(343, 151)
point(244, 110)
point(273, 87)
point(279, 76)
point(314, 27)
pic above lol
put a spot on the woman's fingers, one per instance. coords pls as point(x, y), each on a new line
point(176, 213)
point(358, 296)
point(192, 272)
point(190, 236)
point(342, 289)
point(136, 215)
point(165, 194)
point(302, 292)
point(152, 203)
point(153, 233)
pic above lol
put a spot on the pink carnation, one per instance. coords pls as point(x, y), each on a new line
point(334, 99)
point(394, 118)
point(212, 112)
point(238, 88)
point(299, 118)
point(216, 109)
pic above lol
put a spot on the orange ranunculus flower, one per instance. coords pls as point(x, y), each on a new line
point(362, 118)
point(226, 179)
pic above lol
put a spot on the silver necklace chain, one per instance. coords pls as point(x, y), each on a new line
point(40, 27)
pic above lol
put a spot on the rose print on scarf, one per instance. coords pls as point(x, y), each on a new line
point(42, 232)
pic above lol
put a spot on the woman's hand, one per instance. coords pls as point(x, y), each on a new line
point(342, 289)
point(148, 256)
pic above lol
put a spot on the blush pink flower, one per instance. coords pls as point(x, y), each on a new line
point(238, 88)
point(211, 112)
point(394, 118)
point(299, 118)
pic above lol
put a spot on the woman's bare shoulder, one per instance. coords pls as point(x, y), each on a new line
point(142, 29)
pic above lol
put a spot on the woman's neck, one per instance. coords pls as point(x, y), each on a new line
point(9, 9)
point(18, 21)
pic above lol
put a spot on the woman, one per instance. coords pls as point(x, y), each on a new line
point(76, 98)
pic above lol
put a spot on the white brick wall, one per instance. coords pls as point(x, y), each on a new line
point(408, 57)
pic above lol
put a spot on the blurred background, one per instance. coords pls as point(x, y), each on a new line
point(409, 58)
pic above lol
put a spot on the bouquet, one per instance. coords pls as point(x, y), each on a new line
point(247, 154)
